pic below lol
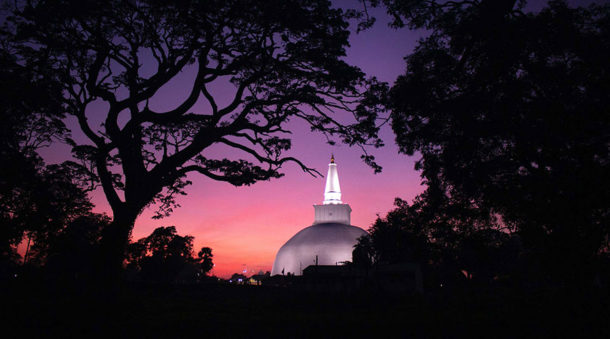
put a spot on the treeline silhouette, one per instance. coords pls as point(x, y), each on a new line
point(167, 257)
point(510, 114)
point(45, 208)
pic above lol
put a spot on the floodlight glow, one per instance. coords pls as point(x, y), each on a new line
point(330, 239)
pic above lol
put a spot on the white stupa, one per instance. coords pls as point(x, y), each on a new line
point(331, 238)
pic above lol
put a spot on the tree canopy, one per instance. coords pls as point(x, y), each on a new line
point(166, 256)
point(451, 240)
point(509, 110)
point(283, 60)
point(38, 201)
point(34, 198)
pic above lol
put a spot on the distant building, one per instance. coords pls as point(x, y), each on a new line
point(238, 279)
point(258, 279)
point(329, 241)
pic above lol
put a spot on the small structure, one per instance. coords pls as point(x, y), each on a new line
point(258, 279)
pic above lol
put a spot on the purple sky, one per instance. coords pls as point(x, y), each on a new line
point(245, 226)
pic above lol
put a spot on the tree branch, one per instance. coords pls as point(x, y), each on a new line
point(278, 162)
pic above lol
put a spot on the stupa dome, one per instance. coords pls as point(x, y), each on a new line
point(329, 241)
point(332, 243)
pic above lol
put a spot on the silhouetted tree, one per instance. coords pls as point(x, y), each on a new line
point(282, 58)
point(510, 111)
point(73, 251)
point(164, 254)
point(364, 254)
point(205, 260)
point(449, 238)
point(31, 118)
point(399, 237)
point(56, 201)
point(39, 202)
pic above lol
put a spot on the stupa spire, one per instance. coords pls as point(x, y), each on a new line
point(332, 191)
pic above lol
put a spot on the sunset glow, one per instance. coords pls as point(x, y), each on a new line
point(245, 226)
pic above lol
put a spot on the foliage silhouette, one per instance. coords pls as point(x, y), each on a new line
point(283, 59)
point(31, 118)
point(72, 253)
point(205, 260)
point(449, 238)
point(509, 111)
point(38, 201)
point(165, 256)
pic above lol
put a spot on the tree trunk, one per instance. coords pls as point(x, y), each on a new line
point(113, 243)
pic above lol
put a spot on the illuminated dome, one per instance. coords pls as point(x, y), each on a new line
point(329, 241)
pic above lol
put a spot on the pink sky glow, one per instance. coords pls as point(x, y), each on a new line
point(246, 226)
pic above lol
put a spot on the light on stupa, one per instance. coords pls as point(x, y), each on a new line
point(331, 238)
point(332, 191)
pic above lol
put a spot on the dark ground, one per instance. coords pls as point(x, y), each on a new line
point(144, 311)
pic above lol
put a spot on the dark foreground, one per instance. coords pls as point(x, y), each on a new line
point(141, 311)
